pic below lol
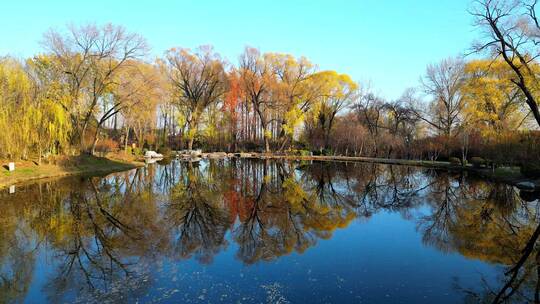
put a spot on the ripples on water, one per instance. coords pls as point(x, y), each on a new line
point(248, 231)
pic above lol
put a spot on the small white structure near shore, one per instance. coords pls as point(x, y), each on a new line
point(189, 153)
point(152, 154)
point(11, 166)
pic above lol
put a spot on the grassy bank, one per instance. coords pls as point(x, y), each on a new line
point(30, 170)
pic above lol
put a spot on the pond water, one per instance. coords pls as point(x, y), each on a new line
point(255, 231)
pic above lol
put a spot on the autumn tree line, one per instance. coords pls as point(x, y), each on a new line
point(95, 89)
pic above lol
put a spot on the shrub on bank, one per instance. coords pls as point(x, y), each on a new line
point(323, 152)
point(454, 161)
point(165, 151)
point(134, 151)
point(305, 152)
point(531, 169)
point(106, 145)
point(251, 146)
point(300, 152)
point(478, 162)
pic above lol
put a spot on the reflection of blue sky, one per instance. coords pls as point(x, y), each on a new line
point(380, 260)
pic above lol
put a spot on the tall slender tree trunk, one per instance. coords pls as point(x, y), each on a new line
point(266, 144)
point(126, 139)
point(39, 154)
point(82, 148)
point(94, 143)
point(165, 125)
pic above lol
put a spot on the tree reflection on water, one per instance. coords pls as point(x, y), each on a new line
point(103, 231)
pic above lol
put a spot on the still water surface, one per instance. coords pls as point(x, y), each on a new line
point(252, 231)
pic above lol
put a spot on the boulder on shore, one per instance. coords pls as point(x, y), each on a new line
point(152, 154)
point(527, 185)
point(217, 155)
point(243, 155)
point(189, 153)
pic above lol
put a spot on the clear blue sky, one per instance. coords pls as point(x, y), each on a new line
point(388, 43)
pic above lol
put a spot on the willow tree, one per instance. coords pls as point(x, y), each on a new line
point(50, 121)
point(31, 120)
point(15, 99)
point(198, 80)
point(493, 103)
point(337, 92)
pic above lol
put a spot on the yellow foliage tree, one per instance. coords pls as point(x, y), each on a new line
point(492, 102)
point(15, 119)
point(336, 92)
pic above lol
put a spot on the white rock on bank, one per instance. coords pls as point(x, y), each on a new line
point(526, 185)
point(152, 154)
